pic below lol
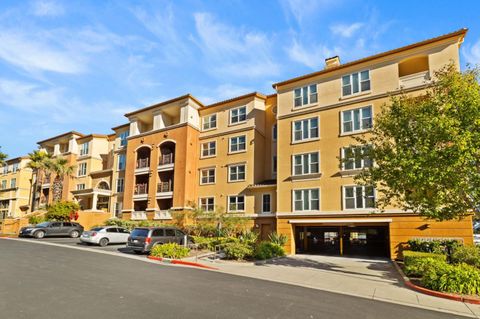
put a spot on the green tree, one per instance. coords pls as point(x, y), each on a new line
point(426, 148)
point(3, 157)
point(60, 167)
point(39, 163)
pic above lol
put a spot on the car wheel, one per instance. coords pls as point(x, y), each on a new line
point(74, 233)
point(39, 234)
point(103, 242)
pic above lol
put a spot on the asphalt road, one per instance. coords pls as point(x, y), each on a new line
point(47, 282)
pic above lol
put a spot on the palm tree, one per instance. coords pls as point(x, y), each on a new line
point(61, 169)
point(39, 163)
point(3, 157)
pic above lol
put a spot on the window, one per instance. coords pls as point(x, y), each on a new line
point(357, 119)
point(358, 197)
point(236, 173)
point(210, 122)
point(209, 149)
point(112, 230)
point(156, 233)
point(207, 204)
point(170, 232)
point(307, 199)
point(84, 149)
point(15, 167)
point(121, 162)
point(304, 164)
point(305, 129)
point(207, 176)
point(305, 95)
point(356, 83)
point(80, 187)
point(5, 169)
point(4, 184)
point(120, 185)
point(237, 144)
point(274, 132)
point(266, 203)
point(238, 115)
point(67, 224)
point(118, 208)
point(13, 183)
point(354, 158)
point(236, 203)
point(123, 138)
point(82, 169)
point(274, 164)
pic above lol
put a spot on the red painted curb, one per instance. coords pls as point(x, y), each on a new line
point(181, 262)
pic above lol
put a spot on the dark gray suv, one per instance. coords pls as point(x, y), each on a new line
point(45, 229)
point(142, 240)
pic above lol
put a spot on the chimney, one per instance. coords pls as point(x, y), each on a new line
point(332, 62)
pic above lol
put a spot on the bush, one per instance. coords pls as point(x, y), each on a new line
point(267, 250)
point(237, 251)
point(61, 211)
point(36, 219)
point(433, 246)
point(170, 250)
point(415, 262)
point(275, 238)
point(466, 254)
point(248, 237)
point(131, 224)
point(460, 279)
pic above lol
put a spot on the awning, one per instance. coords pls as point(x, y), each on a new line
point(341, 221)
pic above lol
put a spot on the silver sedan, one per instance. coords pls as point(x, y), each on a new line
point(105, 235)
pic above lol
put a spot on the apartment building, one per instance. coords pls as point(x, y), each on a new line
point(15, 188)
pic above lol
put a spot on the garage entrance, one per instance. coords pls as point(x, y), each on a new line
point(370, 241)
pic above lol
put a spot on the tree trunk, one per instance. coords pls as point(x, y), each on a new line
point(57, 189)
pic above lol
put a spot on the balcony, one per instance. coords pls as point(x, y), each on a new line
point(46, 182)
point(165, 189)
point(142, 166)
point(163, 214)
point(140, 191)
point(413, 80)
point(139, 215)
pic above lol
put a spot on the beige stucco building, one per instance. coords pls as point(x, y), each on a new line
point(15, 188)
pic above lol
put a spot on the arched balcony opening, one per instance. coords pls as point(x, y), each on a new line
point(143, 157)
point(414, 71)
point(167, 153)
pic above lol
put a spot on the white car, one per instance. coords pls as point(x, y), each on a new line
point(476, 239)
point(105, 235)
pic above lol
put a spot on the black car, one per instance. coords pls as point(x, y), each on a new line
point(143, 239)
point(44, 229)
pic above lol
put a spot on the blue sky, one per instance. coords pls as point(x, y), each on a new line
point(80, 65)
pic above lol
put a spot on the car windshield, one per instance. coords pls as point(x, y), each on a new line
point(97, 229)
point(44, 224)
point(140, 232)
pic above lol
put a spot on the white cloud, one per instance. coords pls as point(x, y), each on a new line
point(346, 30)
point(311, 56)
point(47, 8)
point(234, 51)
point(302, 10)
point(472, 53)
point(223, 92)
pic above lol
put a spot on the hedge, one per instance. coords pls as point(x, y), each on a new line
point(415, 261)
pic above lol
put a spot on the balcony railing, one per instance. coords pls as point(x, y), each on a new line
point(164, 187)
point(139, 216)
point(166, 159)
point(163, 214)
point(142, 162)
point(141, 189)
point(415, 79)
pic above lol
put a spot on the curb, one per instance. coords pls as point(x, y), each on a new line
point(434, 293)
point(181, 262)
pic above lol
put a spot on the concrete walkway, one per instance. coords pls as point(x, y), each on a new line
point(368, 278)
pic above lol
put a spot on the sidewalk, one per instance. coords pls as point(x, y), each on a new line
point(367, 278)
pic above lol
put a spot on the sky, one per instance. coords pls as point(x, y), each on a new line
point(81, 65)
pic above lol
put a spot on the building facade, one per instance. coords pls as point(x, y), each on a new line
point(15, 188)
point(272, 159)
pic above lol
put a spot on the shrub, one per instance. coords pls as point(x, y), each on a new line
point(460, 279)
point(267, 250)
point(415, 262)
point(36, 219)
point(248, 237)
point(279, 239)
point(61, 211)
point(433, 246)
point(170, 250)
point(466, 254)
point(131, 224)
point(237, 251)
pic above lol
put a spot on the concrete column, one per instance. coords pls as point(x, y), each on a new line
point(134, 129)
point(73, 146)
point(56, 149)
point(158, 120)
point(94, 201)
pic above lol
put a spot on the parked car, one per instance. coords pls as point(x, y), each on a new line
point(476, 239)
point(47, 229)
point(105, 235)
point(143, 239)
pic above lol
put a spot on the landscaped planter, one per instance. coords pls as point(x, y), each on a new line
point(181, 262)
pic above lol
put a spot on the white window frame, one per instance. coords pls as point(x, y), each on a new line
point(82, 169)
point(15, 167)
point(352, 120)
point(200, 204)
point(305, 124)
point(238, 121)
point(230, 144)
point(236, 166)
point(309, 208)
point(85, 149)
point(13, 183)
point(202, 148)
point(269, 203)
point(305, 90)
point(118, 184)
point(3, 184)
point(363, 159)
point(303, 163)
point(119, 161)
point(360, 82)
point(207, 121)
point(344, 198)
point(208, 169)
point(123, 137)
point(236, 203)
point(81, 187)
